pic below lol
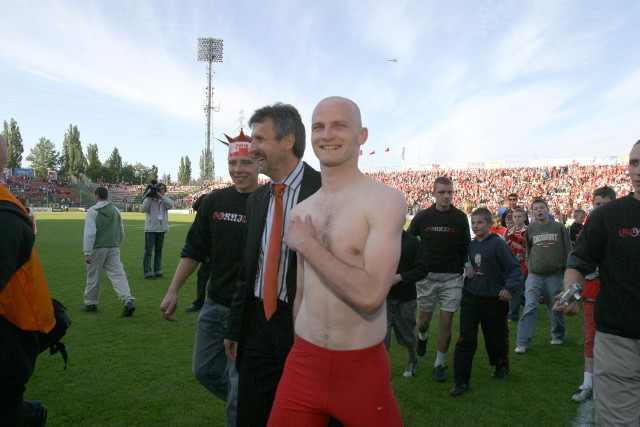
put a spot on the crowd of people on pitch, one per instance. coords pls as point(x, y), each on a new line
point(307, 276)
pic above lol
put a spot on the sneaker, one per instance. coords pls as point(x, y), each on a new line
point(438, 374)
point(582, 394)
point(33, 413)
point(159, 275)
point(128, 309)
point(459, 389)
point(521, 349)
point(150, 277)
point(556, 341)
point(193, 308)
point(410, 371)
point(501, 371)
point(90, 308)
point(421, 348)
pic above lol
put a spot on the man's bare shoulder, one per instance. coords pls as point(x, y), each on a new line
point(305, 206)
point(383, 191)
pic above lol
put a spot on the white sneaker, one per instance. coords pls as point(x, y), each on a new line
point(556, 341)
point(521, 349)
point(582, 394)
point(410, 371)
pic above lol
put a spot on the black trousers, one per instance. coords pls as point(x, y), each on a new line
point(264, 351)
point(18, 353)
point(491, 315)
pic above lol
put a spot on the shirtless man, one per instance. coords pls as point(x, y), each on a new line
point(347, 236)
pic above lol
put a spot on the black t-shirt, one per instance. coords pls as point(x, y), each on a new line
point(611, 240)
point(409, 268)
point(218, 234)
point(444, 238)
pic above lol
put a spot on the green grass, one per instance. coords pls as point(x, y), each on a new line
point(137, 371)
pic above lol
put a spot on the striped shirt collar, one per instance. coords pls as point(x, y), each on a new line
point(294, 179)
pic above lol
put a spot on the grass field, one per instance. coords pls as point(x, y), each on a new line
point(137, 371)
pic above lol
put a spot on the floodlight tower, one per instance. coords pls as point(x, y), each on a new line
point(209, 50)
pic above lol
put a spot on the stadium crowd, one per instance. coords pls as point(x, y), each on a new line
point(564, 187)
point(40, 190)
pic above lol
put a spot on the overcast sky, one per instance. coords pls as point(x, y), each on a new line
point(474, 80)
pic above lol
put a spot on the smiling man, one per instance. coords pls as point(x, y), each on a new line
point(217, 235)
point(347, 237)
point(260, 333)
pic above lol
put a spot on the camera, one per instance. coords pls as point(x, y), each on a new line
point(151, 190)
point(571, 294)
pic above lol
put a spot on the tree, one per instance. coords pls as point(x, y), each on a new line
point(43, 157)
point(94, 165)
point(73, 160)
point(184, 171)
point(153, 173)
point(15, 148)
point(206, 166)
point(166, 178)
point(113, 166)
point(128, 174)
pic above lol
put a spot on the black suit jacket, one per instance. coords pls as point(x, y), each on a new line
point(257, 207)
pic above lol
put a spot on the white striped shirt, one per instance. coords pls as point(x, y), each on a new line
point(289, 199)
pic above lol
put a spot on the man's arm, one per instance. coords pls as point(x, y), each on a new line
point(169, 304)
point(89, 234)
point(571, 275)
point(144, 206)
point(364, 288)
point(121, 233)
point(299, 287)
point(465, 239)
point(416, 272)
point(566, 241)
point(168, 203)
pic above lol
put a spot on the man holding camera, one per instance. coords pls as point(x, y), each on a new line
point(156, 208)
point(610, 240)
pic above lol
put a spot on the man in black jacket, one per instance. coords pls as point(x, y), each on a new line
point(25, 304)
point(260, 341)
point(401, 301)
point(610, 240)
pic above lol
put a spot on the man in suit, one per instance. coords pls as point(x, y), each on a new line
point(260, 333)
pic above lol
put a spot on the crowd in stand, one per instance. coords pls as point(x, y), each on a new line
point(40, 191)
point(564, 187)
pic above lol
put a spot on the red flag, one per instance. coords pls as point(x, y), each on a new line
point(386, 150)
point(373, 152)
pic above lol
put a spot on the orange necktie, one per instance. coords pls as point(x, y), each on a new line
point(270, 296)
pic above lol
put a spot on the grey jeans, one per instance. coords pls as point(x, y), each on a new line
point(211, 367)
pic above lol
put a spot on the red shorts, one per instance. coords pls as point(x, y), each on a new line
point(351, 386)
point(589, 328)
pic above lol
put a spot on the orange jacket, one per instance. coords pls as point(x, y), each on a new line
point(25, 301)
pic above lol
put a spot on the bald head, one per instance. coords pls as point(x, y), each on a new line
point(357, 118)
point(3, 153)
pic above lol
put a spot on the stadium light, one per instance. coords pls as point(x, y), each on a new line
point(210, 51)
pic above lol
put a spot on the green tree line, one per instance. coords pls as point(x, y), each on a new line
point(72, 160)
